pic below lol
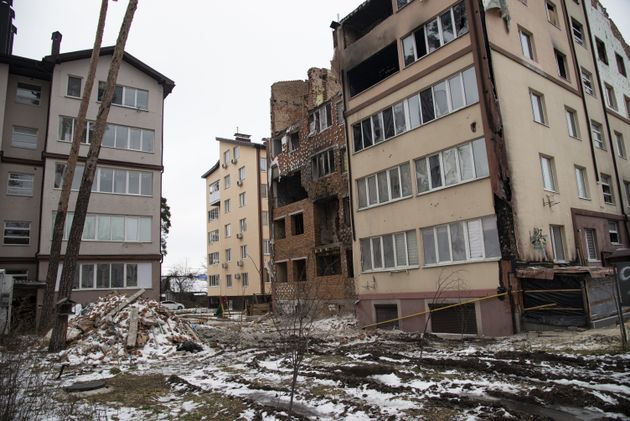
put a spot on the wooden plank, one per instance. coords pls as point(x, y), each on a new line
point(132, 333)
point(120, 306)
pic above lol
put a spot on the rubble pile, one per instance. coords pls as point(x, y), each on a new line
point(119, 327)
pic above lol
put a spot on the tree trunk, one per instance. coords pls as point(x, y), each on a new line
point(48, 308)
point(58, 338)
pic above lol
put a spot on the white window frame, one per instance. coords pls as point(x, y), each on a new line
point(557, 240)
point(242, 200)
point(214, 281)
point(590, 238)
point(606, 182)
point(613, 229)
point(228, 230)
point(526, 40)
point(597, 130)
point(587, 81)
point(537, 101)
point(125, 276)
point(621, 145)
point(121, 91)
point(547, 167)
point(412, 262)
point(14, 226)
point(611, 98)
point(577, 29)
point(572, 123)
point(243, 250)
point(389, 179)
point(581, 179)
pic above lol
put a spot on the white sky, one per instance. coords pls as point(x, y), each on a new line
point(223, 57)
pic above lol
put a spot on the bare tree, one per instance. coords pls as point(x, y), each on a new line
point(58, 338)
point(295, 311)
point(48, 309)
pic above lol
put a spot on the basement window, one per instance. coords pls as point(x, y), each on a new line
point(373, 70)
point(461, 319)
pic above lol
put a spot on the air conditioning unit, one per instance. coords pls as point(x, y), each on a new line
point(239, 263)
point(237, 276)
point(224, 165)
point(224, 265)
point(239, 182)
point(234, 161)
point(239, 236)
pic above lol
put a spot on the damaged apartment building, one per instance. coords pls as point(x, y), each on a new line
point(312, 243)
point(488, 158)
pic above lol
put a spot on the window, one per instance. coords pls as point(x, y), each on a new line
point(552, 14)
point(111, 275)
point(598, 136)
point(452, 166)
point(226, 205)
point(611, 99)
point(213, 258)
point(557, 242)
point(263, 164)
point(587, 82)
point(561, 62)
point(627, 186)
point(591, 245)
point(471, 240)
point(241, 173)
point(401, 3)
point(601, 50)
point(213, 236)
point(24, 137)
point(323, 164)
point(548, 173)
point(339, 107)
point(389, 252)
point(117, 228)
point(343, 160)
point(213, 281)
point(606, 182)
point(228, 230)
point(319, 119)
point(228, 255)
point(20, 184)
point(297, 224)
point(244, 251)
point(263, 191)
point(17, 233)
point(434, 34)
point(66, 130)
point(19, 275)
point(538, 107)
point(241, 200)
point(279, 229)
point(621, 145)
point(126, 96)
point(385, 186)
point(613, 232)
point(28, 94)
point(621, 67)
point(578, 32)
point(242, 225)
point(264, 215)
point(294, 141)
point(228, 281)
point(237, 152)
point(110, 180)
point(446, 96)
point(245, 279)
point(227, 182)
point(581, 181)
point(226, 156)
point(74, 86)
point(527, 46)
point(120, 137)
point(572, 123)
point(266, 247)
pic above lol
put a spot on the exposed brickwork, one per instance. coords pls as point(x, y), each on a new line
point(326, 228)
point(288, 103)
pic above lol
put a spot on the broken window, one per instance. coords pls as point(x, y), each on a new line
point(276, 146)
point(320, 119)
point(327, 220)
point(561, 61)
point(323, 164)
point(297, 224)
point(299, 270)
point(374, 69)
point(279, 230)
point(281, 272)
point(366, 17)
point(329, 264)
point(288, 189)
point(601, 50)
point(435, 33)
point(346, 211)
point(294, 140)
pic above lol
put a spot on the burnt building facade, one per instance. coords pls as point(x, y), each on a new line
point(309, 197)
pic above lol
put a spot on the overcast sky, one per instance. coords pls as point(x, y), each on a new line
point(223, 57)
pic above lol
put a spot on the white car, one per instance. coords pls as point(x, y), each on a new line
point(172, 305)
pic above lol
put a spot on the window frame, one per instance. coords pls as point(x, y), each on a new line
point(572, 123)
point(607, 184)
point(25, 99)
point(539, 111)
point(577, 30)
point(587, 81)
point(557, 236)
point(620, 145)
point(31, 133)
point(593, 239)
point(68, 86)
point(597, 130)
point(20, 191)
point(553, 17)
point(582, 176)
point(526, 40)
point(550, 183)
point(613, 230)
point(120, 92)
point(26, 230)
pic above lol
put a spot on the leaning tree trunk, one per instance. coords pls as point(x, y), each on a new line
point(48, 309)
point(58, 338)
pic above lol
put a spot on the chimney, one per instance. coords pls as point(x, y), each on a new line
point(242, 137)
point(56, 43)
point(7, 30)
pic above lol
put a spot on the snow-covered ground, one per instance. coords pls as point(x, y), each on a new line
point(350, 374)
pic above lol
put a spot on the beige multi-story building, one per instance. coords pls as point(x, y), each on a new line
point(39, 102)
point(238, 224)
point(484, 139)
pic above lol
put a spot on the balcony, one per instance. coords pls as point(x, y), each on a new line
point(215, 198)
